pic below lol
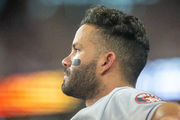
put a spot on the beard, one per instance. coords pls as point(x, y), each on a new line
point(81, 82)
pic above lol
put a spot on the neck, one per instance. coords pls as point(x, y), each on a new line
point(105, 90)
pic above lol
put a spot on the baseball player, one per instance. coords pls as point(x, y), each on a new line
point(109, 51)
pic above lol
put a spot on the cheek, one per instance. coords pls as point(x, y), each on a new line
point(76, 62)
point(80, 58)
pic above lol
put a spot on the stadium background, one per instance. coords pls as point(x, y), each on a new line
point(35, 35)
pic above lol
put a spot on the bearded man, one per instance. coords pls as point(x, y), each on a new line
point(109, 51)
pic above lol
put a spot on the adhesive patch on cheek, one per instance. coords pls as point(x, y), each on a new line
point(76, 62)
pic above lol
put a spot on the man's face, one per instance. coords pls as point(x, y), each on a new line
point(80, 79)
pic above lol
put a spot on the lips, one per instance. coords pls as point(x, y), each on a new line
point(66, 72)
point(65, 76)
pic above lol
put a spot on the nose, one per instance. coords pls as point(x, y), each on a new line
point(66, 62)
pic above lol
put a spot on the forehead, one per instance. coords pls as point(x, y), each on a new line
point(86, 34)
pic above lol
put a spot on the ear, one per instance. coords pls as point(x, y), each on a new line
point(108, 61)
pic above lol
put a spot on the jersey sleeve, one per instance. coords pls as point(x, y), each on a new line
point(132, 105)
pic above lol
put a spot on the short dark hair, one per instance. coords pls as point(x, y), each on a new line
point(123, 34)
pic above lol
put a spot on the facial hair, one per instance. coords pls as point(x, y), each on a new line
point(81, 82)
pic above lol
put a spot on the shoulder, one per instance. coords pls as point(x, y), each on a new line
point(137, 103)
point(135, 96)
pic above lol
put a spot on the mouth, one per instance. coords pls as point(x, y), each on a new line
point(66, 78)
point(65, 75)
point(66, 72)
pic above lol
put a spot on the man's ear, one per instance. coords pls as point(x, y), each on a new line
point(107, 62)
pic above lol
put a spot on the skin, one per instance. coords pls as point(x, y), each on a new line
point(107, 68)
point(167, 111)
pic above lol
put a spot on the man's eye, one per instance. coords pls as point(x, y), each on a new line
point(76, 49)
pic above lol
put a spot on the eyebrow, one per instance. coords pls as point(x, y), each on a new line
point(76, 45)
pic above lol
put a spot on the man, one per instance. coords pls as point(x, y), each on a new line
point(109, 51)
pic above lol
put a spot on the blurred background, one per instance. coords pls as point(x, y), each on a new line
point(35, 35)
